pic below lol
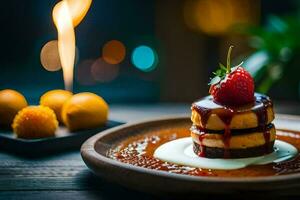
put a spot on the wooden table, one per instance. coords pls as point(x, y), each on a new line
point(65, 176)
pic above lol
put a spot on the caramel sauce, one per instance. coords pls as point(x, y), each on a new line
point(206, 106)
point(138, 151)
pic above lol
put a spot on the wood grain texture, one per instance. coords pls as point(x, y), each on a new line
point(109, 192)
point(64, 175)
point(58, 177)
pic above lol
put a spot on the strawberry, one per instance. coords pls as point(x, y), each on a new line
point(232, 86)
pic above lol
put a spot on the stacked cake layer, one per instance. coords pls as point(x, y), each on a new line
point(233, 132)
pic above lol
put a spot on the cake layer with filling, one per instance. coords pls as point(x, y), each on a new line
point(210, 115)
point(199, 130)
point(244, 140)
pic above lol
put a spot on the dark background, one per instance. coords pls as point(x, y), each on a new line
point(186, 57)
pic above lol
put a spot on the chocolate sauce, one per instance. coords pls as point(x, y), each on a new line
point(226, 116)
point(262, 117)
point(202, 147)
point(267, 137)
point(206, 107)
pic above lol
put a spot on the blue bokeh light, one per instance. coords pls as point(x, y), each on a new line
point(144, 58)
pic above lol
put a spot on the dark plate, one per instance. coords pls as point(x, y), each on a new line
point(64, 140)
point(94, 151)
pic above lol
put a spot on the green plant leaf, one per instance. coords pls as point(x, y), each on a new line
point(255, 63)
point(276, 24)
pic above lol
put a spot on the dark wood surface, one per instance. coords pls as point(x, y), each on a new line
point(64, 175)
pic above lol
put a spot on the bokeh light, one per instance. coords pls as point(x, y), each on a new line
point(144, 58)
point(83, 72)
point(216, 17)
point(49, 56)
point(104, 72)
point(113, 52)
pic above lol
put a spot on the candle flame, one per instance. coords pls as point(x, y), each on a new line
point(67, 14)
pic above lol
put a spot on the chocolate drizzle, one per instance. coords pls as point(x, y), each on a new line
point(262, 117)
point(226, 116)
point(206, 107)
point(204, 113)
point(202, 147)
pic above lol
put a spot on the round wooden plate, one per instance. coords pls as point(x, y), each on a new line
point(95, 149)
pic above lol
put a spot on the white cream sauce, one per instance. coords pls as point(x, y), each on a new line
point(181, 152)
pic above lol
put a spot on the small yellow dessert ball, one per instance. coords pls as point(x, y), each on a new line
point(35, 122)
point(55, 99)
point(84, 111)
point(11, 102)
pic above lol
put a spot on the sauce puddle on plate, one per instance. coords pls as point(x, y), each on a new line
point(138, 150)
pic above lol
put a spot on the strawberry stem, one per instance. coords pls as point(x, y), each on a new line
point(228, 60)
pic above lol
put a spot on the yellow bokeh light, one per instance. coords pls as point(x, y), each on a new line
point(113, 52)
point(216, 17)
point(50, 57)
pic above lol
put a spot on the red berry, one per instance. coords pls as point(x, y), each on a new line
point(237, 88)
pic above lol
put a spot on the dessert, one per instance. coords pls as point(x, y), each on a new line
point(140, 149)
point(84, 111)
point(55, 99)
point(35, 122)
point(11, 102)
point(233, 122)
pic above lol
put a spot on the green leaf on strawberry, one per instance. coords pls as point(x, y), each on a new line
point(222, 71)
point(232, 86)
